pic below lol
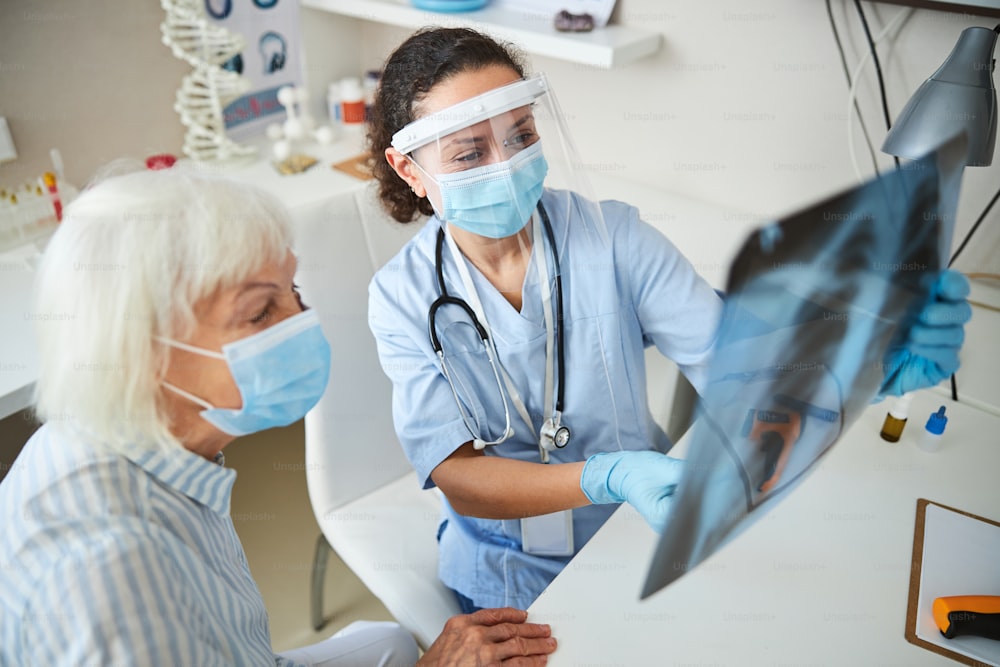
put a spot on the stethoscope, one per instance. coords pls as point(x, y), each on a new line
point(553, 434)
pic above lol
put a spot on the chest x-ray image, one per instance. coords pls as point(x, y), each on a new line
point(815, 305)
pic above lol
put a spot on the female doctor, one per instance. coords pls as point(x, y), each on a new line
point(513, 325)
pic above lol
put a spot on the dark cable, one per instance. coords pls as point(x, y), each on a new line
point(438, 264)
point(878, 71)
point(560, 356)
point(961, 247)
point(847, 75)
point(975, 226)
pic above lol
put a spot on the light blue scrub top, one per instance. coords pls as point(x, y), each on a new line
point(621, 293)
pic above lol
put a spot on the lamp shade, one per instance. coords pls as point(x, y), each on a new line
point(959, 96)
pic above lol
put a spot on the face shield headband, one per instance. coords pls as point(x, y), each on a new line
point(469, 112)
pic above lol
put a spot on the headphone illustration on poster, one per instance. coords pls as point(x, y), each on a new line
point(271, 59)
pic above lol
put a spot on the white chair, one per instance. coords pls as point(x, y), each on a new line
point(363, 491)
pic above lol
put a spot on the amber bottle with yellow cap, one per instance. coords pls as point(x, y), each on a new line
point(892, 428)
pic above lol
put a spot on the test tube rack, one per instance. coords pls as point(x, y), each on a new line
point(27, 214)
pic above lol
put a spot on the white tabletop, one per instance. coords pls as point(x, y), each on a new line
point(18, 354)
point(978, 379)
point(315, 185)
point(822, 579)
point(319, 185)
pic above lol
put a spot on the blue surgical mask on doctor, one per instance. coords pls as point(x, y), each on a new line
point(494, 200)
point(281, 373)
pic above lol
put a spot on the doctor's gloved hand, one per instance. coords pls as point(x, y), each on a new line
point(930, 353)
point(645, 480)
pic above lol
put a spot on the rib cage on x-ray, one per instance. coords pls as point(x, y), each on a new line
point(815, 305)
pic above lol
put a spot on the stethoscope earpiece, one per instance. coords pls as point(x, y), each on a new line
point(479, 443)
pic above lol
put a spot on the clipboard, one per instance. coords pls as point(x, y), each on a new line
point(356, 166)
point(916, 577)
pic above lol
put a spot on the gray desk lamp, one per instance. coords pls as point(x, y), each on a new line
point(959, 95)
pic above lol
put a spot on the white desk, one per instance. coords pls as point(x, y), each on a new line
point(318, 187)
point(313, 186)
point(820, 580)
point(979, 377)
point(18, 354)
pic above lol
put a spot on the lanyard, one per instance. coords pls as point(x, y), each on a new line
point(541, 267)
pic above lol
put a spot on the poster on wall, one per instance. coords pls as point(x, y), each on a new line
point(271, 59)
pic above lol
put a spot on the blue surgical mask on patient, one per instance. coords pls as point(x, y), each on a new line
point(281, 373)
point(495, 200)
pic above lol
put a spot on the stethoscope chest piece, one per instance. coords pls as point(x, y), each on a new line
point(554, 435)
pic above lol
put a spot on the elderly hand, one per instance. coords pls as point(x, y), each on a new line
point(490, 637)
point(645, 480)
point(930, 353)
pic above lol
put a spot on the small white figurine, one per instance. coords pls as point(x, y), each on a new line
point(299, 124)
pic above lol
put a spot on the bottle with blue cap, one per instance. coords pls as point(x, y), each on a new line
point(930, 438)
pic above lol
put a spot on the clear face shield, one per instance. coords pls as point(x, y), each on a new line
point(505, 179)
point(486, 161)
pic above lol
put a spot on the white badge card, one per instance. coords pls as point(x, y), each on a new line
point(548, 534)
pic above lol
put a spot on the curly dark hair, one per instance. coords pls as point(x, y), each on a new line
point(428, 57)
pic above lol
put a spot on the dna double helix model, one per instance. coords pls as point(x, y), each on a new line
point(204, 92)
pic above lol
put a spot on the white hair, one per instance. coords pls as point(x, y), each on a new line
point(132, 256)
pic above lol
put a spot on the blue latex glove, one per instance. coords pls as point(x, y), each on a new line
point(645, 480)
point(930, 353)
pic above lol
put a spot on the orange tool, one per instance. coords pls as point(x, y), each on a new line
point(977, 615)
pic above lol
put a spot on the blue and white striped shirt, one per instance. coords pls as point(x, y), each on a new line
point(110, 559)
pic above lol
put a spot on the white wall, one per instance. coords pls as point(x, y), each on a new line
point(332, 47)
point(746, 103)
point(93, 79)
point(89, 77)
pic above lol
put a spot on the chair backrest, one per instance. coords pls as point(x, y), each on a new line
point(351, 446)
point(363, 490)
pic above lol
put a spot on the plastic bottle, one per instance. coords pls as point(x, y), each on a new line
point(895, 420)
point(352, 103)
point(930, 438)
point(333, 103)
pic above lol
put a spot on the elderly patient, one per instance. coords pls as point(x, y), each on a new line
point(169, 324)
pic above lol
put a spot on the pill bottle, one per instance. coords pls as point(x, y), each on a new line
point(895, 420)
point(352, 103)
point(930, 437)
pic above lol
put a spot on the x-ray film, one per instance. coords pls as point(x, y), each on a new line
point(815, 306)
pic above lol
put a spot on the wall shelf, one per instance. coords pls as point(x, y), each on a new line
point(607, 47)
